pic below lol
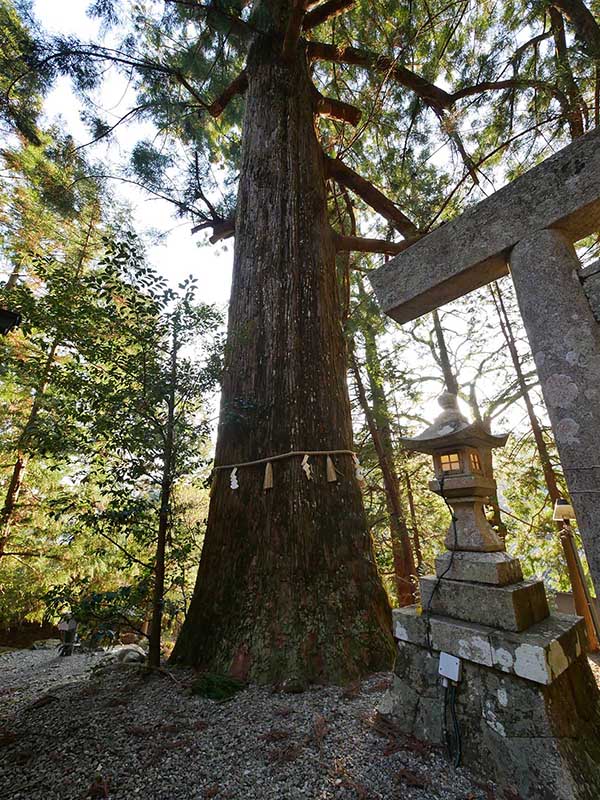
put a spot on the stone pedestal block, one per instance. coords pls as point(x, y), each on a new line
point(539, 654)
point(537, 742)
point(498, 569)
point(510, 608)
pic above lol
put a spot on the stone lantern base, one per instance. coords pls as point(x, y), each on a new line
point(528, 707)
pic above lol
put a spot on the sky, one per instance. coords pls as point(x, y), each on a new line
point(178, 254)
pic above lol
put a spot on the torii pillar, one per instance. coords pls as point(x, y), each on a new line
point(528, 228)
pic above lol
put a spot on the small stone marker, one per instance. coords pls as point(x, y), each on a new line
point(524, 672)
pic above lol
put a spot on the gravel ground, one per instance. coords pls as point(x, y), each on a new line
point(76, 728)
point(27, 674)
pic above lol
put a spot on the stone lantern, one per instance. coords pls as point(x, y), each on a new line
point(462, 458)
point(462, 462)
point(483, 639)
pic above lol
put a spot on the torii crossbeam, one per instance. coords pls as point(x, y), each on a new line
point(528, 228)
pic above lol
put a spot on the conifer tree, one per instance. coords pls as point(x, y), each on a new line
point(287, 583)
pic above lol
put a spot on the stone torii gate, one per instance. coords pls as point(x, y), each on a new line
point(528, 229)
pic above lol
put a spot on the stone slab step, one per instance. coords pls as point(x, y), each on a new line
point(512, 608)
point(498, 569)
point(539, 654)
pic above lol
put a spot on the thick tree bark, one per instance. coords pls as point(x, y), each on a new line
point(287, 584)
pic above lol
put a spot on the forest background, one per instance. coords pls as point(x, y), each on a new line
point(119, 353)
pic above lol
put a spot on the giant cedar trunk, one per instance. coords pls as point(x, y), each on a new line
point(287, 585)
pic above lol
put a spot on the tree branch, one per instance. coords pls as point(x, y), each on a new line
point(132, 112)
point(578, 110)
point(516, 59)
point(293, 30)
point(32, 554)
point(122, 549)
point(511, 83)
point(325, 11)
point(436, 98)
point(359, 244)
point(583, 21)
point(236, 24)
point(336, 109)
point(236, 87)
point(222, 229)
point(337, 170)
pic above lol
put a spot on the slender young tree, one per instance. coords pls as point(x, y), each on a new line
point(144, 385)
point(373, 402)
point(550, 476)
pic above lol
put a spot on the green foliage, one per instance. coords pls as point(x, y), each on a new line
point(216, 687)
point(21, 86)
point(85, 382)
point(126, 606)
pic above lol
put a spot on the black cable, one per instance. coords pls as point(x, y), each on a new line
point(427, 611)
point(452, 739)
point(445, 733)
point(457, 738)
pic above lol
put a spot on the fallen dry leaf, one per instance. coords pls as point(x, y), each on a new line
point(275, 735)
point(285, 754)
point(7, 737)
point(351, 691)
point(412, 779)
point(320, 728)
point(42, 701)
point(99, 788)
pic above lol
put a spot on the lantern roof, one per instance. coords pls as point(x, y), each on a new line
point(453, 429)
